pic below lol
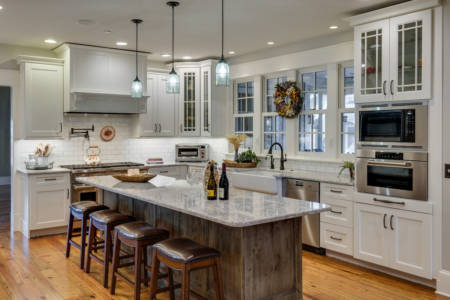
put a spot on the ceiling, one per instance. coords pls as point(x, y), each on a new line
point(249, 24)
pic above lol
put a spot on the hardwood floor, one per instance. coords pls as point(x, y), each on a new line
point(38, 269)
point(5, 207)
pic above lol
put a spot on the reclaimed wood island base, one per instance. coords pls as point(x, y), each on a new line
point(258, 235)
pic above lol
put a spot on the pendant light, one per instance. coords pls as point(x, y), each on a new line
point(222, 68)
point(136, 85)
point(173, 82)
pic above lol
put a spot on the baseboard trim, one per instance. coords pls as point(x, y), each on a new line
point(443, 283)
point(48, 231)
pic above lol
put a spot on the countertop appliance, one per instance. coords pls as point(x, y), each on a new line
point(82, 192)
point(192, 152)
point(393, 126)
point(309, 191)
point(395, 174)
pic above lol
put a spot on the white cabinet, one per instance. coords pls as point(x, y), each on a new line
point(189, 102)
point(42, 90)
point(47, 201)
point(394, 238)
point(393, 59)
point(160, 117)
point(178, 172)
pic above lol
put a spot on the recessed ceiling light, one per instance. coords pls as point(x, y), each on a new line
point(85, 22)
point(332, 27)
point(50, 41)
point(231, 52)
point(121, 43)
point(1, 7)
point(270, 43)
point(187, 57)
point(166, 55)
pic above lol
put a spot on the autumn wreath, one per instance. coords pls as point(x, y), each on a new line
point(287, 99)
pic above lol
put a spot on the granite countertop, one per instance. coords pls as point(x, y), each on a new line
point(244, 208)
point(54, 170)
point(174, 164)
point(326, 177)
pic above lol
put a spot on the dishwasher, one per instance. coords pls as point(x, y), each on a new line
point(309, 191)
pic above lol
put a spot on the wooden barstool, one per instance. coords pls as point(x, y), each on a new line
point(80, 210)
point(105, 221)
point(138, 235)
point(185, 255)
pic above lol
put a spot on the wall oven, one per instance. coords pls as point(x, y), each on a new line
point(396, 174)
point(393, 126)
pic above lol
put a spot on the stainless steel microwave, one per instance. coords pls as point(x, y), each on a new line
point(394, 126)
point(192, 152)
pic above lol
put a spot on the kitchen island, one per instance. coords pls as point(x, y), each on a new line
point(258, 235)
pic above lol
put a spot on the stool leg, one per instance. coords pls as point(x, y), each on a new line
point(91, 240)
point(185, 286)
point(145, 261)
point(137, 272)
point(83, 241)
point(115, 262)
point(154, 276)
point(218, 279)
point(107, 250)
point(69, 234)
point(170, 273)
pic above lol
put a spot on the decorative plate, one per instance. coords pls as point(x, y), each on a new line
point(107, 133)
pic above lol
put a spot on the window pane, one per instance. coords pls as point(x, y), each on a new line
point(348, 143)
point(280, 122)
point(308, 102)
point(305, 123)
point(319, 122)
point(349, 99)
point(322, 99)
point(250, 89)
point(238, 126)
point(250, 105)
point(280, 138)
point(241, 106)
point(308, 82)
point(321, 80)
point(268, 124)
point(282, 79)
point(249, 141)
point(270, 89)
point(267, 140)
point(348, 122)
point(348, 76)
point(241, 90)
point(305, 142)
point(248, 124)
point(270, 107)
point(319, 142)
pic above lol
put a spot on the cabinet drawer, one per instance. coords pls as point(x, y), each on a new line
point(50, 180)
point(341, 212)
point(336, 191)
point(178, 172)
point(393, 202)
point(336, 238)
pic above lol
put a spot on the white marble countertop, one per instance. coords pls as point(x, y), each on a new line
point(326, 177)
point(244, 208)
point(54, 170)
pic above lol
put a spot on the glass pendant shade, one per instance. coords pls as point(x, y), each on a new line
point(222, 73)
point(136, 88)
point(173, 83)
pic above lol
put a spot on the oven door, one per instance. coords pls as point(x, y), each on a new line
point(188, 154)
point(404, 179)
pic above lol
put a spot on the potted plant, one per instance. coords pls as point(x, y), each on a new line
point(350, 166)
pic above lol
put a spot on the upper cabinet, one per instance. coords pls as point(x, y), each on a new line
point(201, 102)
point(42, 92)
point(393, 59)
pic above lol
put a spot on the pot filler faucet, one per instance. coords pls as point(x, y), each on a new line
point(282, 158)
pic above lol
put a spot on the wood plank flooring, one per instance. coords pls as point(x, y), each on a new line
point(5, 207)
point(38, 269)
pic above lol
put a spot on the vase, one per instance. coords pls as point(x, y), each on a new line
point(351, 173)
point(236, 154)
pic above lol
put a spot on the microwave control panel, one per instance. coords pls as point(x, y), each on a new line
point(389, 155)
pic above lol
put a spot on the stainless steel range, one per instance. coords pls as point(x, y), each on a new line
point(83, 192)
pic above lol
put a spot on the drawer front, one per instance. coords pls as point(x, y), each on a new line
point(50, 180)
point(336, 191)
point(178, 172)
point(336, 238)
point(393, 202)
point(341, 212)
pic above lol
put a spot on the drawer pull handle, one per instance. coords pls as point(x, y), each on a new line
point(336, 212)
point(390, 222)
point(335, 238)
point(163, 172)
point(336, 191)
point(50, 179)
point(384, 221)
point(388, 201)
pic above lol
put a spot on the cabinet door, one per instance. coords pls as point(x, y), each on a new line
point(189, 117)
point(166, 109)
point(206, 101)
point(43, 100)
point(147, 122)
point(372, 62)
point(410, 58)
point(371, 234)
point(411, 242)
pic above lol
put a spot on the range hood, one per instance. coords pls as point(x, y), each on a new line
point(98, 80)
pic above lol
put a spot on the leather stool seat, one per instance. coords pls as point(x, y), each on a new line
point(142, 231)
point(86, 206)
point(184, 250)
point(109, 216)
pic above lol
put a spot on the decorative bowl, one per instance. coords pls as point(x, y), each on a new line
point(142, 177)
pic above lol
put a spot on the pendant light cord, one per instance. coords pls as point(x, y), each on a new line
point(222, 29)
point(173, 37)
point(137, 49)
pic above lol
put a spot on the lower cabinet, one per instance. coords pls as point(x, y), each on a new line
point(394, 238)
point(336, 238)
point(178, 172)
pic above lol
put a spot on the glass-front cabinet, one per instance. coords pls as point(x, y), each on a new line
point(189, 109)
point(393, 59)
point(205, 100)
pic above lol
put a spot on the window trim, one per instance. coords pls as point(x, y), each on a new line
point(341, 109)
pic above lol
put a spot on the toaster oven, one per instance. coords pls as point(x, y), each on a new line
point(192, 152)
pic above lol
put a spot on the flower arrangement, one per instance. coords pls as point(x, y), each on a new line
point(236, 141)
point(287, 99)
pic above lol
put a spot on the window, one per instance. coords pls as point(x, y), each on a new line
point(312, 119)
point(274, 126)
point(347, 110)
point(243, 111)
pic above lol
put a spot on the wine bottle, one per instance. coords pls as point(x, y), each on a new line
point(223, 184)
point(211, 188)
